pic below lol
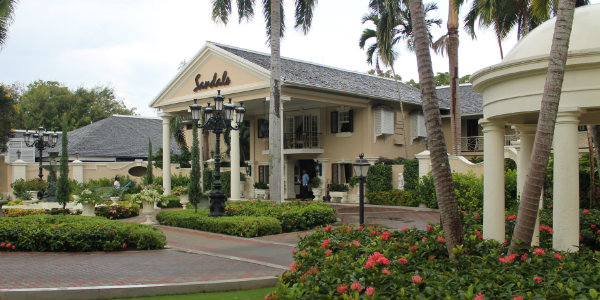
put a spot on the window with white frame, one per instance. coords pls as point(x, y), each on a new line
point(341, 173)
point(342, 121)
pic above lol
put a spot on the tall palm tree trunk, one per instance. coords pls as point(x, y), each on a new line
point(404, 134)
point(452, 48)
point(275, 151)
point(444, 187)
point(530, 197)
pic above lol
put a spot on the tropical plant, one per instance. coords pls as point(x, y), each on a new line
point(148, 195)
point(532, 189)
point(315, 182)
point(88, 196)
point(273, 13)
point(444, 186)
point(338, 187)
point(261, 185)
point(7, 115)
point(63, 189)
point(176, 125)
point(392, 20)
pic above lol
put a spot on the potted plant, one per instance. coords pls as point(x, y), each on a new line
point(338, 192)
point(115, 195)
point(88, 200)
point(182, 192)
point(148, 197)
point(315, 184)
point(261, 190)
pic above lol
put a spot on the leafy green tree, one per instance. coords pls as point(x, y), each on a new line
point(194, 190)
point(149, 179)
point(413, 83)
point(63, 189)
point(7, 9)
point(44, 102)
point(176, 124)
point(7, 116)
point(442, 79)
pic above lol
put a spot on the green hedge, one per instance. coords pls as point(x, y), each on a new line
point(379, 178)
point(294, 216)
point(172, 202)
point(411, 173)
point(244, 226)
point(76, 233)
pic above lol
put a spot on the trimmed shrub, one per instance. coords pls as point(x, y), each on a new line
point(172, 201)
point(338, 187)
point(294, 216)
point(411, 173)
point(208, 179)
point(510, 189)
point(244, 226)
point(379, 178)
point(20, 212)
point(76, 233)
point(114, 212)
point(372, 263)
point(393, 197)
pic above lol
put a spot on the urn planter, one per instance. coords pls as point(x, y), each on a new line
point(89, 209)
point(148, 211)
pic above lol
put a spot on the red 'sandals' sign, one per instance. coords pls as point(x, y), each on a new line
point(215, 82)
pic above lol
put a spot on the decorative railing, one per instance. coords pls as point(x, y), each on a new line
point(302, 140)
point(475, 143)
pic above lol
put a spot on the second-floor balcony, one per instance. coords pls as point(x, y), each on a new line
point(300, 143)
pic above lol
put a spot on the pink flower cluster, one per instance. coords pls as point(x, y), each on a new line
point(7, 246)
point(513, 217)
point(441, 239)
point(356, 243)
point(479, 296)
point(507, 259)
point(403, 260)
point(376, 258)
point(537, 279)
point(546, 228)
point(325, 243)
point(384, 236)
point(539, 251)
point(416, 279)
point(355, 286)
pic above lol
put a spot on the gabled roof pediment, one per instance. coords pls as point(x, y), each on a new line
point(210, 70)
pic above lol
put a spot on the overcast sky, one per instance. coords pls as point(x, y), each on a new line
point(136, 46)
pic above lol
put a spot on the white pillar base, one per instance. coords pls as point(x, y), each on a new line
point(493, 180)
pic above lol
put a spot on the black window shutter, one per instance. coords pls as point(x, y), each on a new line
point(334, 122)
point(262, 128)
point(351, 120)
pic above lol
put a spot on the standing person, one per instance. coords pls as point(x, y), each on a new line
point(304, 188)
point(117, 184)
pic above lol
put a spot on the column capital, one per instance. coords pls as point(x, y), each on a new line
point(568, 116)
point(165, 115)
point(322, 160)
point(491, 125)
point(525, 129)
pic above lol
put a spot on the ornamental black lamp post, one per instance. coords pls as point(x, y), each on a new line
point(217, 119)
point(40, 139)
point(361, 168)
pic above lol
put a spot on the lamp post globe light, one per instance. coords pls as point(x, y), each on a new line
point(40, 139)
point(217, 119)
point(361, 168)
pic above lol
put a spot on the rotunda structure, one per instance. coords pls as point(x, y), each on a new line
point(512, 92)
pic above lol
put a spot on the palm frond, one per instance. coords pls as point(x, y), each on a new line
point(439, 46)
point(221, 10)
point(304, 14)
point(366, 35)
point(7, 9)
point(245, 9)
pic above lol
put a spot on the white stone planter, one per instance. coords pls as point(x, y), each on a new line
point(184, 200)
point(34, 195)
point(339, 197)
point(317, 193)
point(262, 194)
point(148, 211)
point(115, 200)
point(88, 209)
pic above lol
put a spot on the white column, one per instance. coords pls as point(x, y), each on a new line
point(235, 164)
point(493, 180)
point(527, 137)
point(201, 157)
point(324, 174)
point(566, 183)
point(78, 171)
point(424, 163)
point(166, 145)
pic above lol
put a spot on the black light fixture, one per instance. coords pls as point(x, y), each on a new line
point(217, 120)
point(248, 169)
point(318, 168)
point(361, 169)
point(41, 139)
point(18, 154)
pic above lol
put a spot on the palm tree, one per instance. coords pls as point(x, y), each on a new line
point(528, 209)
point(392, 20)
point(273, 13)
point(444, 187)
point(7, 8)
point(452, 48)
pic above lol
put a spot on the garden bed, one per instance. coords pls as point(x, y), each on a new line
point(75, 233)
point(369, 263)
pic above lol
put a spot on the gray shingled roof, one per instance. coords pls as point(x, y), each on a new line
point(470, 101)
point(305, 73)
point(118, 136)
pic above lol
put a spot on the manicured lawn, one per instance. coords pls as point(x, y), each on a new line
point(258, 294)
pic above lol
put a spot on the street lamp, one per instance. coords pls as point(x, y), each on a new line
point(361, 168)
point(217, 120)
point(40, 139)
